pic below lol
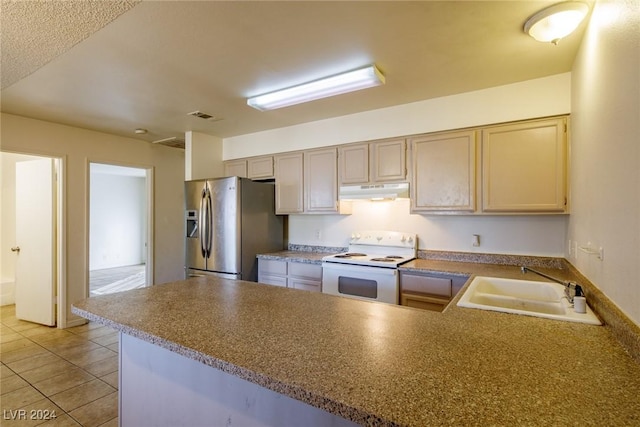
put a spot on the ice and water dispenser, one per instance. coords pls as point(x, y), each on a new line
point(192, 223)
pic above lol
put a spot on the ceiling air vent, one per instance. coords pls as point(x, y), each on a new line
point(205, 116)
point(173, 141)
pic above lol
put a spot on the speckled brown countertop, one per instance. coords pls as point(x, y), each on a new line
point(380, 364)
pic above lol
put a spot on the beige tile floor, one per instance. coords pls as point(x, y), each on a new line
point(70, 373)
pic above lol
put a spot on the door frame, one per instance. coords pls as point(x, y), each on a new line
point(149, 187)
point(60, 230)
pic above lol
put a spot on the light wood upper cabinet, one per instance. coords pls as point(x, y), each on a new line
point(307, 182)
point(235, 168)
point(260, 167)
point(289, 183)
point(253, 167)
point(444, 172)
point(374, 162)
point(388, 161)
point(354, 164)
point(524, 167)
point(510, 169)
point(321, 180)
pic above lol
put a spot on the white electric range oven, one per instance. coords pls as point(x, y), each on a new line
point(369, 269)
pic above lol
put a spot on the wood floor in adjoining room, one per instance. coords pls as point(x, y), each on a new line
point(117, 279)
point(70, 373)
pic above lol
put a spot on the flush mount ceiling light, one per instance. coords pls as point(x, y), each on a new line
point(555, 22)
point(361, 78)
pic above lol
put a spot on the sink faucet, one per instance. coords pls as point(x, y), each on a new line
point(568, 286)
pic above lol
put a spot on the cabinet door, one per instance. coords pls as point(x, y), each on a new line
point(235, 168)
point(260, 167)
point(388, 160)
point(444, 172)
point(321, 180)
point(428, 292)
point(423, 302)
point(420, 284)
point(289, 183)
point(354, 164)
point(524, 167)
point(272, 272)
point(270, 279)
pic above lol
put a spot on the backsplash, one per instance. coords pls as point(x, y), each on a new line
point(501, 259)
point(538, 235)
point(316, 249)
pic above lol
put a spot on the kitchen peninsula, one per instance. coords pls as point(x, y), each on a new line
point(187, 346)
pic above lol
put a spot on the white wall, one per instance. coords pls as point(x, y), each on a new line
point(532, 235)
point(77, 147)
point(203, 156)
point(518, 235)
point(117, 226)
point(606, 152)
point(533, 98)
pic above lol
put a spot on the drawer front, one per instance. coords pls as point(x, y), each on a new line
point(426, 285)
point(305, 270)
point(307, 285)
point(271, 266)
point(423, 302)
point(269, 279)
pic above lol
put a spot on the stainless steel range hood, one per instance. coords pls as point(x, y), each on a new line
point(375, 191)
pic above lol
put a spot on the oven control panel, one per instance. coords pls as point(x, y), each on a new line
point(384, 238)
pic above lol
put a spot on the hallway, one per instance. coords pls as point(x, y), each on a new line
point(71, 374)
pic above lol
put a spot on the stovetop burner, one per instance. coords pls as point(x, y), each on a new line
point(350, 255)
point(387, 249)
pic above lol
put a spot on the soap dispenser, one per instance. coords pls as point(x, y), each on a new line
point(579, 301)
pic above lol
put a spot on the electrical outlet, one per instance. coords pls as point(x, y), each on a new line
point(476, 240)
point(318, 235)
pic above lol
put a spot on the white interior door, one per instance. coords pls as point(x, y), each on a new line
point(35, 236)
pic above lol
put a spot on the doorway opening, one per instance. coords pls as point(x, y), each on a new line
point(32, 237)
point(120, 250)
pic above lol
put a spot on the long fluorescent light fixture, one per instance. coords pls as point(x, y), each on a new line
point(361, 78)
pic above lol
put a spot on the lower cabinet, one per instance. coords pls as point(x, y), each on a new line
point(272, 272)
point(290, 274)
point(429, 291)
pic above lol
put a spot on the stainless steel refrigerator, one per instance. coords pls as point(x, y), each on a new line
point(228, 221)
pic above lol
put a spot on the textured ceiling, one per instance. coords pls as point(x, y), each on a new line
point(35, 32)
point(114, 66)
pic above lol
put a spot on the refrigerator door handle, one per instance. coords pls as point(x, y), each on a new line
point(209, 220)
point(202, 221)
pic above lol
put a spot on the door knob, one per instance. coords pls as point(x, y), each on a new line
point(15, 249)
